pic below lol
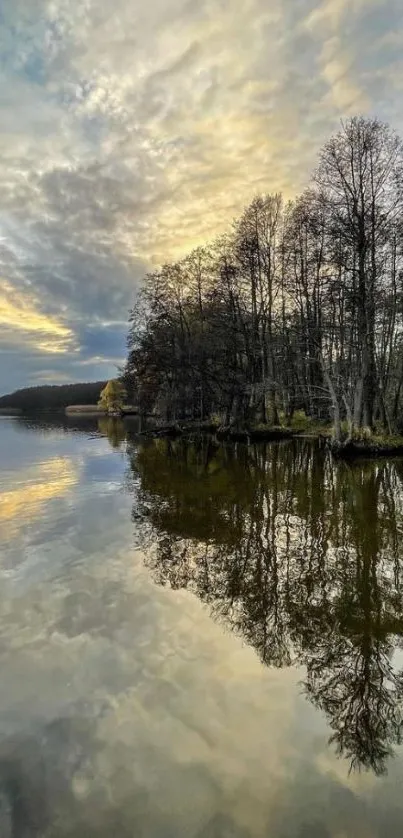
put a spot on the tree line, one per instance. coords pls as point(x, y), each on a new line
point(298, 306)
point(53, 397)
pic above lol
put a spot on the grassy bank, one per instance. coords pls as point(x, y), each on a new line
point(300, 426)
point(96, 410)
point(362, 445)
point(84, 410)
point(375, 445)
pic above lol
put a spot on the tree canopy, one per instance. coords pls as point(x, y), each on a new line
point(112, 396)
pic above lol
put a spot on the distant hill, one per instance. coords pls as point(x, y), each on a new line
point(52, 397)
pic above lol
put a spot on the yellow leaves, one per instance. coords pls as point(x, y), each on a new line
point(112, 396)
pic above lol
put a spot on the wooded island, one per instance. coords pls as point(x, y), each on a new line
point(298, 308)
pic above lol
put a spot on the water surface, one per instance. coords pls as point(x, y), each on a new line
point(197, 640)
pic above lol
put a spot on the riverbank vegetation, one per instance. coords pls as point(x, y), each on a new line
point(298, 308)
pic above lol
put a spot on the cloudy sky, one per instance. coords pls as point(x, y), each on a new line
point(132, 130)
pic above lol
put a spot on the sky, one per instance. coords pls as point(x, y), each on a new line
point(132, 131)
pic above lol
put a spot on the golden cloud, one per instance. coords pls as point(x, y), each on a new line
point(20, 312)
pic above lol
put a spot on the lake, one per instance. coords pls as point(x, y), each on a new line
point(197, 641)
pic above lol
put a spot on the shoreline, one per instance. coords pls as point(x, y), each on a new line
point(370, 447)
point(375, 446)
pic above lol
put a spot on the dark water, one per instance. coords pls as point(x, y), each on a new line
point(197, 640)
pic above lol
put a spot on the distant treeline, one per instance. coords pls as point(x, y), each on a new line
point(299, 306)
point(53, 397)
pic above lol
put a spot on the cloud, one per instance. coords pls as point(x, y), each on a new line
point(24, 322)
point(336, 67)
point(131, 134)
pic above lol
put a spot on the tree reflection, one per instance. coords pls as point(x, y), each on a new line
point(350, 671)
point(297, 555)
point(113, 429)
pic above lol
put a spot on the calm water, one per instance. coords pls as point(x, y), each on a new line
point(197, 641)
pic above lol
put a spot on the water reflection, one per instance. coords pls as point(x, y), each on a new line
point(48, 480)
point(297, 555)
point(114, 429)
point(48, 424)
point(125, 709)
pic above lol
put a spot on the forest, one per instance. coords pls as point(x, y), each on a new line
point(52, 397)
point(299, 307)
